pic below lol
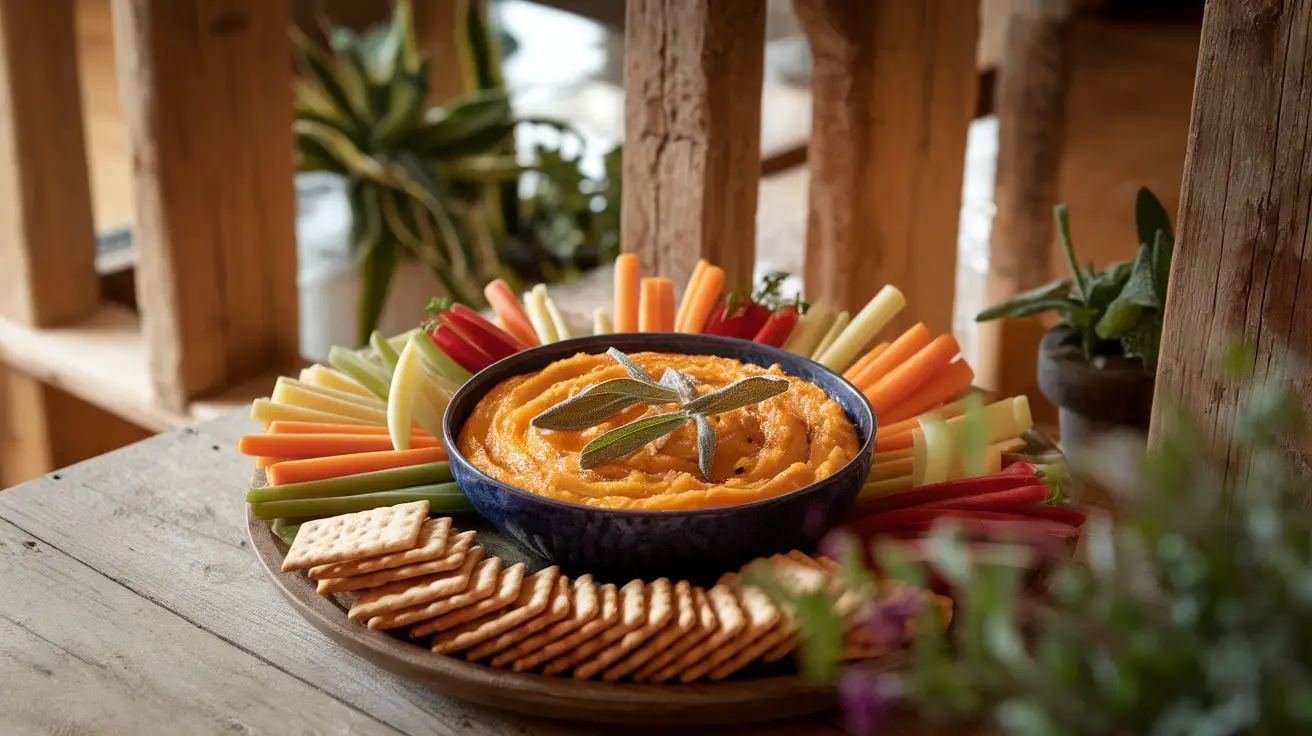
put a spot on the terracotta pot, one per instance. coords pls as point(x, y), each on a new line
point(1092, 395)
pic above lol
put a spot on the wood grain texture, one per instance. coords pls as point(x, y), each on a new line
point(47, 252)
point(1243, 244)
point(1032, 92)
point(693, 71)
point(207, 100)
point(894, 85)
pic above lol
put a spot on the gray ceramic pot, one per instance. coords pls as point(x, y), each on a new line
point(1093, 396)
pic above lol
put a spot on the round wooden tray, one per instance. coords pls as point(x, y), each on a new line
point(735, 701)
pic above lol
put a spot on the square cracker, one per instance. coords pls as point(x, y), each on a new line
point(762, 617)
point(404, 594)
point(704, 624)
point(457, 610)
point(559, 607)
point(732, 622)
point(434, 536)
point(354, 536)
point(660, 613)
point(534, 595)
point(633, 613)
point(783, 635)
point(607, 616)
point(683, 621)
point(585, 604)
point(458, 550)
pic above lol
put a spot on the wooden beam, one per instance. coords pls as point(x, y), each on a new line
point(207, 98)
point(1243, 260)
point(693, 75)
point(436, 29)
point(47, 240)
point(1031, 108)
point(894, 87)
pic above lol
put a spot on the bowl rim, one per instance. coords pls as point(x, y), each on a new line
point(457, 458)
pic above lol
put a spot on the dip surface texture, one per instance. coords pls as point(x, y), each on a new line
point(764, 450)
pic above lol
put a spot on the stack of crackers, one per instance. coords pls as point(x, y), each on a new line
point(402, 570)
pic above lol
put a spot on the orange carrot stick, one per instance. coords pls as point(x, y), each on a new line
point(333, 466)
point(903, 380)
point(944, 386)
point(665, 303)
point(268, 462)
point(649, 306)
point(899, 441)
point(908, 344)
point(298, 446)
point(510, 313)
point(626, 293)
point(703, 302)
point(681, 317)
point(867, 359)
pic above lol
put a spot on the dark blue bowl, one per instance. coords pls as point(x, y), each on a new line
point(620, 543)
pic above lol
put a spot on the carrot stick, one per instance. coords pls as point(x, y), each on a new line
point(681, 317)
point(268, 462)
point(703, 302)
point(900, 382)
point(903, 348)
point(899, 441)
point(298, 446)
point(334, 466)
point(955, 409)
point(626, 293)
point(510, 313)
point(285, 427)
point(866, 360)
point(665, 302)
point(952, 381)
point(649, 306)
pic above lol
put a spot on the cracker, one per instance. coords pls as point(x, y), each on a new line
point(660, 612)
point(534, 595)
point(803, 558)
point(762, 617)
point(731, 621)
point(458, 549)
point(434, 536)
point(354, 536)
point(459, 609)
point(585, 604)
point(559, 608)
point(681, 623)
point(385, 601)
point(704, 625)
point(632, 614)
point(783, 635)
point(606, 617)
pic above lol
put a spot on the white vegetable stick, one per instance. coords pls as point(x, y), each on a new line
point(601, 322)
point(370, 400)
point(1005, 419)
point(402, 395)
point(322, 375)
point(267, 410)
point(938, 444)
point(874, 489)
point(557, 319)
point(840, 323)
point(872, 318)
point(539, 317)
point(810, 330)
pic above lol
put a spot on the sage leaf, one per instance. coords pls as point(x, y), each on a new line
point(1150, 216)
point(681, 382)
point(1029, 301)
point(635, 371)
point(599, 402)
point(623, 441)
point(706, 439)
point(740, 393)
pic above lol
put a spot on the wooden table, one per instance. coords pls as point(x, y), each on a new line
point(130, 600)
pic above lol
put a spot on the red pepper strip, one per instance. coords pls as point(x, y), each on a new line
point(1002, 523)
point(778, 327)
point(725, 324)
point(942, 492)
point(755, 319)
point(482, 333)
point(1057, 513)
point(469, 356)
point(1020, 468)
point(1009, 501)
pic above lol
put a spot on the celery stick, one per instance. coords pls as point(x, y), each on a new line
point(350, 485)
point(372, 376)
point(398, 341)
point(384, 350)
point(438, 361)
point(285, 531)
point(443, 498)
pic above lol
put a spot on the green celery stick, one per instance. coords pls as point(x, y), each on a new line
point(443, 498)
point(439, 361)
point(351, 485)
point(398, 341)
point(384, 350)
point(286, 532)
point(372, 376)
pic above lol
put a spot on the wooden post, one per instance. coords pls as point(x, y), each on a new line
point(692, 152)
point(1033, 82)
point(1241, 268)
point(207, 99)
point(894, 86)
point(436, 27)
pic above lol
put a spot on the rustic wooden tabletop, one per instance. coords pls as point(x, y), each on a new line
point(130, 602)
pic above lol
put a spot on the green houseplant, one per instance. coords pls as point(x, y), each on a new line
point(1097, 363)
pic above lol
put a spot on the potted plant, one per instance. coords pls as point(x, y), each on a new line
point(1098, 363)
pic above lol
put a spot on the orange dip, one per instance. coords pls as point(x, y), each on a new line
point(766, 449)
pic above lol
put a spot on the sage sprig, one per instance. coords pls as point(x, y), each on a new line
point(599, 402)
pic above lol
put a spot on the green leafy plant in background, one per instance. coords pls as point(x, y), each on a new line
point(443, 185)
point(1191, 615)
point(1114, 311)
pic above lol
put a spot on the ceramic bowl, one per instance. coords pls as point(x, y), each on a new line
point(619, 543)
